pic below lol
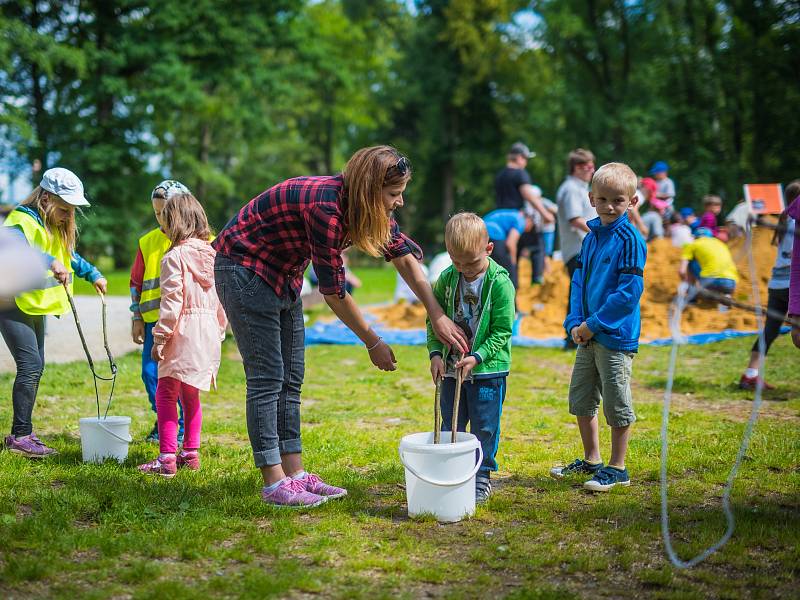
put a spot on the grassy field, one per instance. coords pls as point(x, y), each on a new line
point(97, 531)
point(378, 284)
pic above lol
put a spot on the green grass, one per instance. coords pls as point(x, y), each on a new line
point(118, 284)
point(378, 284)
point(71, 530)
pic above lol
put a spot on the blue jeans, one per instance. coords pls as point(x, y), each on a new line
point(270, 334)
point(150, 373)
point(549, 239)
point(481, 405)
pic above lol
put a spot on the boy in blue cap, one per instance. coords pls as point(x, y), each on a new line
point(604, 320)
point(666, 187)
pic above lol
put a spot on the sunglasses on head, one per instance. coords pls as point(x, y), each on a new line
point(403, 165)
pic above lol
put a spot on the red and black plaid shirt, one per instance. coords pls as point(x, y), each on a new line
point(299, 221)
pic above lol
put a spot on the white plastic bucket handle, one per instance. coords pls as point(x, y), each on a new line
point(444, 483)
point(127, 440)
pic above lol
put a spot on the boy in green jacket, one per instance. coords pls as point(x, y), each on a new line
point(477, 294)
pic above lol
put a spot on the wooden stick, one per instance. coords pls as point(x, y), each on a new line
point(437, 412)
point(456, 399)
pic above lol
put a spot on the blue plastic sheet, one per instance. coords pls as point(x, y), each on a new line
point(337, 333)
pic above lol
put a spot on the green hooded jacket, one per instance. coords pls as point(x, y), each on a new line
point(492, 343)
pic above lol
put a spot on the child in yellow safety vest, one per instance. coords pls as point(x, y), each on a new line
point(146, 293)
point(46, 222)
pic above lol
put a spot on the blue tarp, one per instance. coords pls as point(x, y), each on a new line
point(338, 333)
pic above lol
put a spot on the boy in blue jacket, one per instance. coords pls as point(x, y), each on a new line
point(604, 321)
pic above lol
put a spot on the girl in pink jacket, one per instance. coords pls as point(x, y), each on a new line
point(188, 337)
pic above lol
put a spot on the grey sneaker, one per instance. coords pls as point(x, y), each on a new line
point(576, 467)
point(29, 446)
point(483, 489)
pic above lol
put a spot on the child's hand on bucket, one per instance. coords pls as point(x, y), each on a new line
point(437, 368)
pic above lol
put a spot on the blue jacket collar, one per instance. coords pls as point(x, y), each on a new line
point(32, 213)
point(599, 229)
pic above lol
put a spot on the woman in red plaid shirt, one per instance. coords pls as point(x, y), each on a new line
point(261, 256)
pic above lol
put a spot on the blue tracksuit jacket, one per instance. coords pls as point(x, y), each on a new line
point(608, 284)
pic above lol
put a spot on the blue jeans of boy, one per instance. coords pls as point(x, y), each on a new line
point(150, 373)
point(481, 405)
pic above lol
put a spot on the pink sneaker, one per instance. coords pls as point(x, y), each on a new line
point(291, 494)
point(166, 467)
point(188, 459)
point(314, 484)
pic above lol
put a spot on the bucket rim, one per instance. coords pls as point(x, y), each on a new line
point(468, 444)
point(110, 419)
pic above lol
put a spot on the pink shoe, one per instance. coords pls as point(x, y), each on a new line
point(315, 485)
point(166, 467)
point(291, 494)
point(188, 459)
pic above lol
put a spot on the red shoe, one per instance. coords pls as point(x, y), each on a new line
point(749, 383)
point(188, 459)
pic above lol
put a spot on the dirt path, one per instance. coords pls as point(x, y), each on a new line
point(62, 343)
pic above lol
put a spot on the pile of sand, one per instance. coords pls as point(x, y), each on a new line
point(546, 303)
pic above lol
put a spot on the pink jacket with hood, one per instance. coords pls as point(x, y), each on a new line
point(191, 323)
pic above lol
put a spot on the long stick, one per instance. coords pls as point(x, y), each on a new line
point(437, 412)
point(456, 399)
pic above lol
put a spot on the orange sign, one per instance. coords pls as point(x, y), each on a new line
point(764, 198)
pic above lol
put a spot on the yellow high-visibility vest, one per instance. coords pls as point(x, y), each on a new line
point(154, 246)
point(50, 299)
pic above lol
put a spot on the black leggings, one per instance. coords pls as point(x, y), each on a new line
point(777, 302)
point(24, 336)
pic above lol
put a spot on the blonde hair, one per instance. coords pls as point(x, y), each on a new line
point(40, 200)
point(184, 218)
point(711, 199)
point(367, 172)
point(617, 176)
point(465, 232)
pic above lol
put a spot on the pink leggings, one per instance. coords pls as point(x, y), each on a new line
point(167, 393)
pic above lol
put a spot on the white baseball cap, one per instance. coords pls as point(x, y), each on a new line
point(65, 184)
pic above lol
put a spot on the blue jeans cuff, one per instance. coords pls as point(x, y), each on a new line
point(290, 446)
point(267, 458)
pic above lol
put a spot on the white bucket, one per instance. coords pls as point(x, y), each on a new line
point(440, 478)
point(105, 438)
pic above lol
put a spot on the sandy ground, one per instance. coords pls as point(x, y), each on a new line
point(62, 343)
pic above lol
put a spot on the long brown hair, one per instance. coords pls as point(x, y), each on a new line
point(367, 172)
point(41, 201)
point(791, 192)
point(184, 218)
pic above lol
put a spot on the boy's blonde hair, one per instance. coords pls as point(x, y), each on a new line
point(41, 201)
point(711, 199)
point(367, 172)
point(184, 218)
point(465, 232)
point(617, 176)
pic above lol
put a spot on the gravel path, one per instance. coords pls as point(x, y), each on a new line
point(62, 343)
